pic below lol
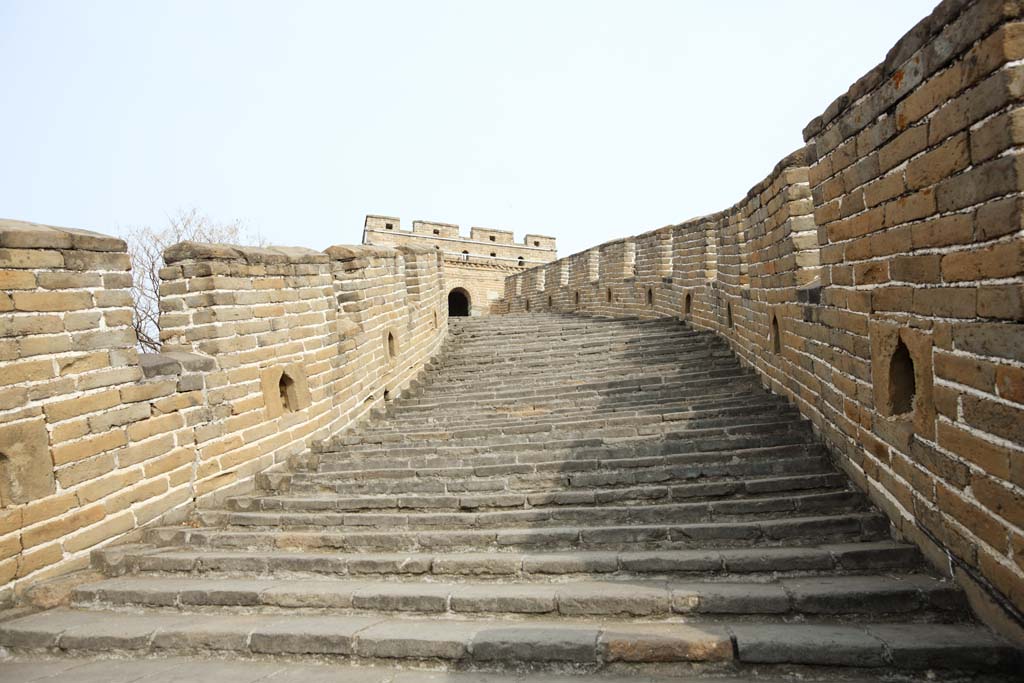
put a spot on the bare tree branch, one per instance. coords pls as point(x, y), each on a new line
point(146, 248)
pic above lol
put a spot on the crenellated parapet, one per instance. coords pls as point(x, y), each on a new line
point(265, 350)
point(475, 267)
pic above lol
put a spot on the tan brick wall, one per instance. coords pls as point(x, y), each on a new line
point(96, 440)
point(888, 253)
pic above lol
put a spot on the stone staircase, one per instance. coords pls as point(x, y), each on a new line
point(558, 492)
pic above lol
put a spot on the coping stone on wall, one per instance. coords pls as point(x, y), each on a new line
point(25, 235)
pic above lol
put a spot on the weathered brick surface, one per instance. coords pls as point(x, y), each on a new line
point(476, 266)
point(898, 226)
point(97, 441)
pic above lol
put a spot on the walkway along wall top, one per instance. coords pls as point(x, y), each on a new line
point(875, 279)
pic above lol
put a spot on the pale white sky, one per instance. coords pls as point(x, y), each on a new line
point(587, 120)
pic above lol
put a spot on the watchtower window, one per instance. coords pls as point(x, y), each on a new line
point(392, 351)
point(728, 314)
point(387, 395)
point(576, 299)
point(437, 232)
point(608, 294)
point(776, 339)
point(527, 305)
point(286, 387)
point(389, 226)
point(520, 259)
point(687, 306)
point(650, 296)
point(491, 238)
point(493, 254)
point(536, 243)
point(550, 302)
point(902, 383)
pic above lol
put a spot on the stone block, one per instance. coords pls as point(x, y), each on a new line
point(26, 467)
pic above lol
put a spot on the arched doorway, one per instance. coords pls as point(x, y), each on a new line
point(458, 302)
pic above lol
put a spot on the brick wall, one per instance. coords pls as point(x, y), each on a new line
point(875, 279)
point(478, 265)
point(265, 351)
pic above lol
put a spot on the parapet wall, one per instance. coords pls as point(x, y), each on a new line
point(875, 279)
point(265, 351)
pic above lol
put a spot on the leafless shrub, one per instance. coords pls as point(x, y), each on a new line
point(145, 249)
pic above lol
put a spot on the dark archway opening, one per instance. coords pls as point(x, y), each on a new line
point(728, 314)
point(650, 296)
point(458, 303)
point(527, 305)
point(551, 302)
point(576, 299)
point(687, 306)
point(902, 383)
point(776, 339)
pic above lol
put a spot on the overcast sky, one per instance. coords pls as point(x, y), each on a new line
point(586, 120)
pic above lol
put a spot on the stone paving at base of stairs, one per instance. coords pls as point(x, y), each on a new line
point(23, 669)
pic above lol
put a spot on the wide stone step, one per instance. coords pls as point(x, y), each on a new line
point(511, 513)
point(772, 431)
point(803, 596)
point(165, 669)
point(602, 467)
point(535, 421)
point(703, 381)
point(592, 407)
point(695, 492)
point(809, 530)
point(840, 559)
point(591, 643)
point(560, 487)
point(598, 361)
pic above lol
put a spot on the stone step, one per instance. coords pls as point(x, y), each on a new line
point(565, 486)
point(501, 423)
point(809, 596)
point(597, 361)
point(506, 510)
point(525, 346)
point(638, 404)
point(543, 497)
point(724, 458)
point(177, 669)
point(507, 642)
point(772, 430)
point(792, 530)
point(838, 559)
point(623, 430)
point(575, 399)
point(694, 381)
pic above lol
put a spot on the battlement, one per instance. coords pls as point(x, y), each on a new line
point(484, 243)
point(265, 350)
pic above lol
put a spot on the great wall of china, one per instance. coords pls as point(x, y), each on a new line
point(874, 280)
